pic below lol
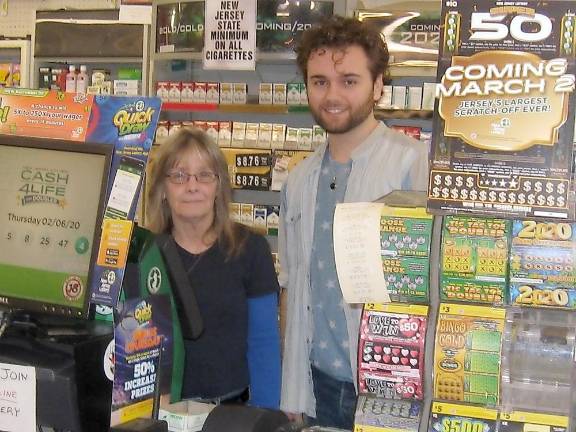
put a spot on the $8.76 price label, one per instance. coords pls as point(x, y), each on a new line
point(253, 160)
point(252, 181)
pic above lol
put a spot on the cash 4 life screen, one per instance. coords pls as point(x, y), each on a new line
point(49, 201)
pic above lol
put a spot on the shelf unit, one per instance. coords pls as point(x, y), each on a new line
point(77, 37)
point(284, 109)
point(17, 51)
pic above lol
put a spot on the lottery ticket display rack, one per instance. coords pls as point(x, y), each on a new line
point(489, 360)
point(504, 338)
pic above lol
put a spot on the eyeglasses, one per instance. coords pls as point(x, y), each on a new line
point(181, 177)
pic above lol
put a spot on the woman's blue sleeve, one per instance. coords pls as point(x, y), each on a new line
point(264, 351)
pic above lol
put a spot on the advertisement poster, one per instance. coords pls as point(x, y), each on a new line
point(44, 113)
point(474, 259)
point(280, 23)
point(128, 123)
point(542, 264)
point(467, 354)
point(446, 417)
point(504, 119)
point(230, 35)
point(143, 338)
point(284, 162)
point(180, 27)
point(412, 30)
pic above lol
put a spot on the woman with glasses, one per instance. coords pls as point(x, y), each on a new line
point(230, 269)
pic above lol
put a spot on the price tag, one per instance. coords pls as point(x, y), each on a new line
point(253, 160)
point(252, 181)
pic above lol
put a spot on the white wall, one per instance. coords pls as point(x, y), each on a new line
point(19, 20)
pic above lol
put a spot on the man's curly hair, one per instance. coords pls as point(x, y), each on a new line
point(339, 32)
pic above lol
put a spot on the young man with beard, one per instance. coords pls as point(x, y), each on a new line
point(344, 63)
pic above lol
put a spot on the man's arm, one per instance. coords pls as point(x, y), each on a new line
point(283, 280)
point(282, 310)
point(419, 169)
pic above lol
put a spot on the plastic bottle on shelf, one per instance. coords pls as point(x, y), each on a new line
point(71, 79)
point(61, 79)
point(82, 80)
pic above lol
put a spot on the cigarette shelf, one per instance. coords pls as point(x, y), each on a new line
point(184, 106)
point(253, 108)
point(397, 71)
point(88, 60)
point(402, 114)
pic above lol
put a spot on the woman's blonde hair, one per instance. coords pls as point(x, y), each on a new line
point(159, 221)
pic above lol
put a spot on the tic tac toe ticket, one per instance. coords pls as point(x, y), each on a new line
point(474, 259)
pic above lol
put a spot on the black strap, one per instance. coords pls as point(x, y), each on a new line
point(188, 311)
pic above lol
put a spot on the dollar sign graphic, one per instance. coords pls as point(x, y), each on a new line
point(437, 179)
point(469, 182)
point(492, 196)
point(538, 186)
point(459, 181)
point(521, 198)
point(549, 187)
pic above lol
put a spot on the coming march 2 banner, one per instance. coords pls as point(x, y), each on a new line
point(504, 119)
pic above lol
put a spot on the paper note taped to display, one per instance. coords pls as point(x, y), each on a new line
point(357, 253)
point(17, 398)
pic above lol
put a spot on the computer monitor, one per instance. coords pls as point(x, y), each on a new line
point(52, 195)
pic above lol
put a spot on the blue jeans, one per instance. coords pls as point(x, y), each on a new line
point(335, 401)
